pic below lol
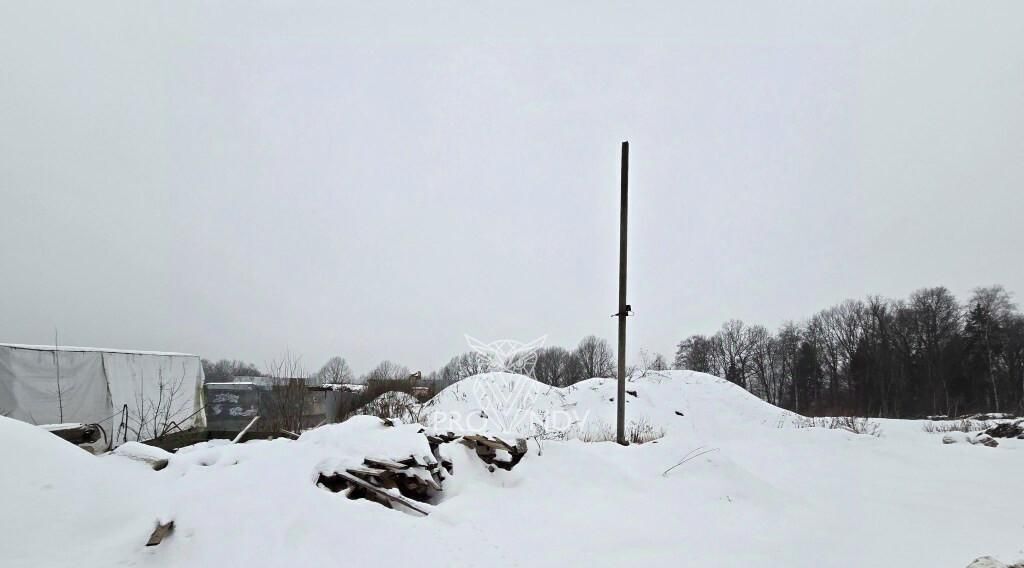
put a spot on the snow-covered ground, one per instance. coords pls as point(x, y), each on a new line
point(769, 494)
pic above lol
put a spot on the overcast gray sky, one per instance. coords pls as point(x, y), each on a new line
point(236, 178)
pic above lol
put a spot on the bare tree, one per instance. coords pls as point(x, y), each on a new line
point(393, 404)
point(387, 371)
point(648, 362)
point(458, 368)
point(657, 362)
point(765, 363)
point(788, 345)
point(697, 353)
point(838, 331)
point(289, 398)
point(472, 363)
point(156, 412)
point(335, 371)
point(1013, 355)
point(553, 366)
point(993, 309)
point(226, 370)
point(595, 357)
point(937, 321)
point(735, 345)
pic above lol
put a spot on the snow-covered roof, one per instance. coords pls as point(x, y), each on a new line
point(93, 349)
point(351, 387)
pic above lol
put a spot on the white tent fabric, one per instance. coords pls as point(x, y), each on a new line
point(94, 385)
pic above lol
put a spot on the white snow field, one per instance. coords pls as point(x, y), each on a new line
point(770, 494)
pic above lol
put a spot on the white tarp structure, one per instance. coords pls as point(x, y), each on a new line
point(151, 391)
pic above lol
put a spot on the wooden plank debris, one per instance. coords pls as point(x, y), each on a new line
point(494, 443)
point(391, 498)
point(366, 471)
point(413, 479)
point(244, 430)
point(384, 463)
point(488, 448)
point(156, 463)
point(160, 533)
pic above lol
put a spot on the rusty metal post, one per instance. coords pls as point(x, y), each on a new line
point(623, 307)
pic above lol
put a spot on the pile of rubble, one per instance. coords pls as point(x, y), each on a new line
point(494, 451)
point(418, 479)
point(978, 439)
point(90, 437)
point(987, 438)
point(1007, 430)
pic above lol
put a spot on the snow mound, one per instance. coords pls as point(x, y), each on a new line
point(141, 452)
point(500, 403)
point(795, 497)
point(679, 402)
point(55, 492)
point(393, 404)
point(365, 436)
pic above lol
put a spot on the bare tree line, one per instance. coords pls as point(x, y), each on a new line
point(924, 355)
point(557, 366)
point(226, 370)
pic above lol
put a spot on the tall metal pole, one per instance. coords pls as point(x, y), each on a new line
point(56, 357)
point(623, 307)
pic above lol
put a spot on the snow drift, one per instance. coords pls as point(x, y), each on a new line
point(769, 495)
point(518, 405)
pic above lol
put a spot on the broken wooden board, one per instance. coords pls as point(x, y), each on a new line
point(438, 438)
point(156, 463)
point(415, 483)
point(160, 533)
point(493, 451)
point(241, 434)
point(367, 471)
point(90, 437)
point(75, 433)
point(423, 476)
point(382, 463)
point(390, 497)
point(425, 461)
point(495, 443)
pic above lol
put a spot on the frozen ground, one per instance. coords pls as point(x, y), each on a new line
point(771, 494)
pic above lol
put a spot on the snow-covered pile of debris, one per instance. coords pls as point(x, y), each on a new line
point(778, 495)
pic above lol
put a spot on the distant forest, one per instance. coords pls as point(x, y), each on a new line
point(925, 355)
